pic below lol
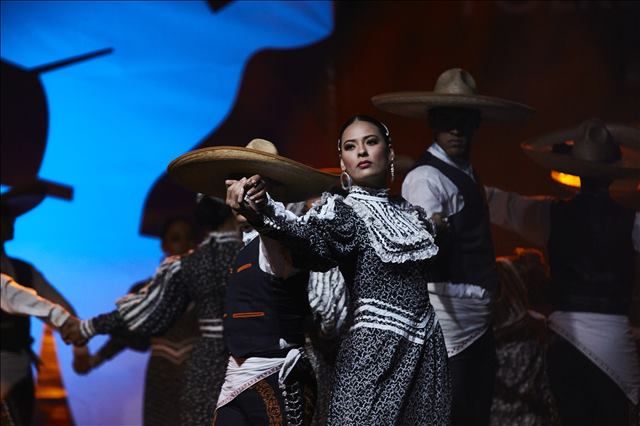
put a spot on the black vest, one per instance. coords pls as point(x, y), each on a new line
point(466, 249)
point(15, 330)
point(260, 309)
point(591, 255)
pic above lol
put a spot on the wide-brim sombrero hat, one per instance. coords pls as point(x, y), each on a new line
point(205, 170)
point(22, 198)
point(593, 149)
point(455, 88)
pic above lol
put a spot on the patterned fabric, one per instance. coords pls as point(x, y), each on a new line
point(376, 314)
point(265, 403)
point(199, 276)
point(271, 405)
point(395, 229)
point(322, 358)
point(328, 300)
point(522, 394)
point(167, 368)
point(392, 364)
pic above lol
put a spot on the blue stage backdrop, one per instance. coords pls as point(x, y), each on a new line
point(114, 123)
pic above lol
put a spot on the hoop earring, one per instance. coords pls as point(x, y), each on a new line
point(344, 176)
point(392, 170)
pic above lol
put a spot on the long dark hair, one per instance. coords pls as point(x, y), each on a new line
point(384, 130)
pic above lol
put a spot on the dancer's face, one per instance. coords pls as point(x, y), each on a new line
point(178, 238)
point(365, 154)
point(453, 131)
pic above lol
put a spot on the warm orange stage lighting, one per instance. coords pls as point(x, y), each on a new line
point(566, 179)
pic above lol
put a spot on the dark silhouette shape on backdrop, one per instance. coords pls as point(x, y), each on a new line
point(25, 122)
point(276, 84)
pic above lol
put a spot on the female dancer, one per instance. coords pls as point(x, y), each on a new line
point(392, 364)
point(199, 276)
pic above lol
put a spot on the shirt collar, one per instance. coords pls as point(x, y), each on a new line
point(369, 192)
point(439, 153)
point(248, 236)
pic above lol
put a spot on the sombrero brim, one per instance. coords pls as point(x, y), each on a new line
point(416, 105)
point(21, 204)
point(628, 167)
point(22, 198)
point(205, 170)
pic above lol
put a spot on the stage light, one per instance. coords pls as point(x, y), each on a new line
point(565, 179)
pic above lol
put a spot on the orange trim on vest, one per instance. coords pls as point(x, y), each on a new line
point(243, 267)
point(247, 314)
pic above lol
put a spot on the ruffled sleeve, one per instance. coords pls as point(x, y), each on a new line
point(152, 310)
point(328, 301)
point(319, 240)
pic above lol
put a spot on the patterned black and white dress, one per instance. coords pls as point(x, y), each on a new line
point(392, 363)
point(201, 277)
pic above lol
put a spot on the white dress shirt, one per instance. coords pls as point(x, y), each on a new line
point(463, 309)
point(14, 366)
point(20, 300)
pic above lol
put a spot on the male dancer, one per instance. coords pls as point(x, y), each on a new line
point(269, 377)
point(444, 183)
point(593, 244)
point(16, 356)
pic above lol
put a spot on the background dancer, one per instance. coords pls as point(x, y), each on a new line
point(593, 244)
point(444, 183)
point(199, 276)
point(269, 379)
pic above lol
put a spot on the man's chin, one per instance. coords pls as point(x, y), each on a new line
point(459, 151)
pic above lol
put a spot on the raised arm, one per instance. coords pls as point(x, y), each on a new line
point(148, 312)
point(154, 308)
point(529, 217)
point(318, 241)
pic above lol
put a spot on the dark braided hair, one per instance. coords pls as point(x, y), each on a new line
point(384, 130)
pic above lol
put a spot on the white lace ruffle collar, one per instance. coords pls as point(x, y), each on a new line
point(395, 230)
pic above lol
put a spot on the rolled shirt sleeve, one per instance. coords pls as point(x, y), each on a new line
point(20, 300)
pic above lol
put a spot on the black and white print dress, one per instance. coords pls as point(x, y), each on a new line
point(391, 367)
point(201, 277)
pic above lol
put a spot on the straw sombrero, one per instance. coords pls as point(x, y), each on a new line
point(593, 149)
point(205, 170)
point(455, 88)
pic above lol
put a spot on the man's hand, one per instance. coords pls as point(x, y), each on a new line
point(440, 222)
point(70, 332)
point(247, 196)
point(256, 192)
point(235, 193)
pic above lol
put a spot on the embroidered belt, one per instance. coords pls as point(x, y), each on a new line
point(415, 327)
